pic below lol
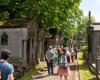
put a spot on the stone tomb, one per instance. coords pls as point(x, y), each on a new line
point(18, 36)
point(94, 38)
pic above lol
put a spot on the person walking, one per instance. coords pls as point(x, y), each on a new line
point(68, 55)
point(63, 70)
point(59, 50)
point(56, 56)
point(6, 69)
point(76, 51)
point(50, 59)
point(72, 55)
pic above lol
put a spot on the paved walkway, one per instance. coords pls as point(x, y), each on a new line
point(73, 74)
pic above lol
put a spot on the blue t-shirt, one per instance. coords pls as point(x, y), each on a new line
point(6, 69)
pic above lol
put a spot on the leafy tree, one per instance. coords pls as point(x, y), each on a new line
point(82, 27)
point(11, 7)
point(58, 14)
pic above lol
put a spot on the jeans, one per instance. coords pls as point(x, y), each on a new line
point(75, 55)
point(68, 58)
point(50, 67)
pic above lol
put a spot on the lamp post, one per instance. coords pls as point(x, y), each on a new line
point(88, 31)
point(88, 37)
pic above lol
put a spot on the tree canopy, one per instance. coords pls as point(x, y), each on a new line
point(82, 27)
point(58, 14)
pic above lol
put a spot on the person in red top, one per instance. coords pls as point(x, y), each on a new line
point(59, 50)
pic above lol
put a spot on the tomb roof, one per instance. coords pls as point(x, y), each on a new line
point(15, 23)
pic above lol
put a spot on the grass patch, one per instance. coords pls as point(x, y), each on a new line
point(34, 71)
point(85, 73)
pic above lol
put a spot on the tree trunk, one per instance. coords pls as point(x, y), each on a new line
point(42, 56)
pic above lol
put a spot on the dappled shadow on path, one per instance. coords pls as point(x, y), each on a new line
point(39, 77)
point(73, 67)
point(42, 76)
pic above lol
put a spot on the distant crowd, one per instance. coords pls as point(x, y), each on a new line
point(61, 57)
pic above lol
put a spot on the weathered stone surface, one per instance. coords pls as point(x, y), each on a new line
point(98, 65)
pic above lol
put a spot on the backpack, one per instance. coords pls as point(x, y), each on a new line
point(63, 61)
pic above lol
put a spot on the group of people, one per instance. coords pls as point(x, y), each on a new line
point(62, 57)
point(59, 56)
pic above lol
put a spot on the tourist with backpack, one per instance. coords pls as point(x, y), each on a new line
point(63, 65)
point(6, 69)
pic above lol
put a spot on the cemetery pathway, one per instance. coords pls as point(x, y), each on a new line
point(73, 74)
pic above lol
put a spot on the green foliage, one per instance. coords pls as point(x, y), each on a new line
point(84, 49)
point(3, 14)
point(85, 73)
point(59, 14)
point(34, 71)
point(82, 27)
point(28, 74)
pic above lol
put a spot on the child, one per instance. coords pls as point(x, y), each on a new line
point(62, 70)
